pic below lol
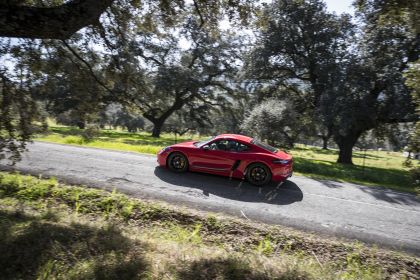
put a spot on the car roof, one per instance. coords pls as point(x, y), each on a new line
point(242, 138)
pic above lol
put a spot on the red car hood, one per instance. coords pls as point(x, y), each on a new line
point(283, 155)
point(185, 144)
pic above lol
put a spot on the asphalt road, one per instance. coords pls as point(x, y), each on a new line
point(372, 215)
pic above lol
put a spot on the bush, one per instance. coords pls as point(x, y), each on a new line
point(274, 121)
point(415, 175)
point(90, 132)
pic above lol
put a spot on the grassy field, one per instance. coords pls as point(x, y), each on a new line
point(111, 139)
point(381, 168)
point(53, 231)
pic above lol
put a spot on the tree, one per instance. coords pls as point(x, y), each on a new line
point(395, 11)
point(160, 77)
point(131, 122)
point(188, 120)
point(18, 111)
point(61, 19)
point(274, 121)
point(349, 85)
point(106, 25)
point(299, 49)
point(413, 82)
point(69, 91)
point(298, 46)
point(373, 90)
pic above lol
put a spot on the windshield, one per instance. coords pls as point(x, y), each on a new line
point(264, 146)
point(203, 142)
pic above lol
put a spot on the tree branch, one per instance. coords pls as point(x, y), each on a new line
point(102, 84)
point(197, 8)
point(58, 22)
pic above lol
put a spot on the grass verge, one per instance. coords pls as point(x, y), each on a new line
point(373, 168)
point(49, 230)
point(140, 142)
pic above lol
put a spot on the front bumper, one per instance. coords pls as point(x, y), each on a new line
point(281, 173)
point(161, 158)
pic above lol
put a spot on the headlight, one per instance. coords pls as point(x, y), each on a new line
point(164, 150)
point(281, 161)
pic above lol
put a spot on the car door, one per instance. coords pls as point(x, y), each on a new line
point(215, 158)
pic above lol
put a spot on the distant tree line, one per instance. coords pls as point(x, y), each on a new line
point(285, 72)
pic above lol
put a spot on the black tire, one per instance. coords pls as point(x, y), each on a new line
point(177, 162)
point(258, 174)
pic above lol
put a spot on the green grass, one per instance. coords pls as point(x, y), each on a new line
point(111, 139)
point(53, 231)
point(381, 168)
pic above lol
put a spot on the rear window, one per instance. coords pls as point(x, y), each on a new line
point(264, 146)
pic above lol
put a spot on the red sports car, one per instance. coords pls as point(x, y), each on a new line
point(230, 155)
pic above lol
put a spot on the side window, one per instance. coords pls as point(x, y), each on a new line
point(213, 146)
point(228, 145)
point(233, 146)
point(242, 147)
point(220, 145)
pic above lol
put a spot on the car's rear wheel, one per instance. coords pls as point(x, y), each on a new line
point(258, 174)
point(177, 162)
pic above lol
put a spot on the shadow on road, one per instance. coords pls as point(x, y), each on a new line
point(391, 196)
point(234, 189)
point(379, 193)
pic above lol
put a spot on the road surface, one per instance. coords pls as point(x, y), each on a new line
point(372, 215)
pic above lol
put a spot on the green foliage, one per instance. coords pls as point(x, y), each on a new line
point(184, 234)
point(162, 77)
point(392, 12)
point(265, 247)
point(127, 210)
point(165, 242)
point(40, 249)
point(117, 116)
point(274, 121)
point(415, 175)
point(213, 223)
point(90, 132)
point(77, 203)
point(171, 63)
point(21, 186)
point(113, 139)
point(18, 110)
point(412, 76)
point(381, 168)
point(356, 267)
point(315, 58)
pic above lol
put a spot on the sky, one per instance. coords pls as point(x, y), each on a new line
point(340, 6)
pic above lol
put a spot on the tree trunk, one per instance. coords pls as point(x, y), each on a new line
point(346, 144)
point(157, 128)
point(158, 122)
point(81, 124)
point(346, 153)
point(325, 142)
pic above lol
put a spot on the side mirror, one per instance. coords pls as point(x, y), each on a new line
point(206, 147)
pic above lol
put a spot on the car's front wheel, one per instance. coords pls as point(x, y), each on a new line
point(258, 174)
point(177, 162)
